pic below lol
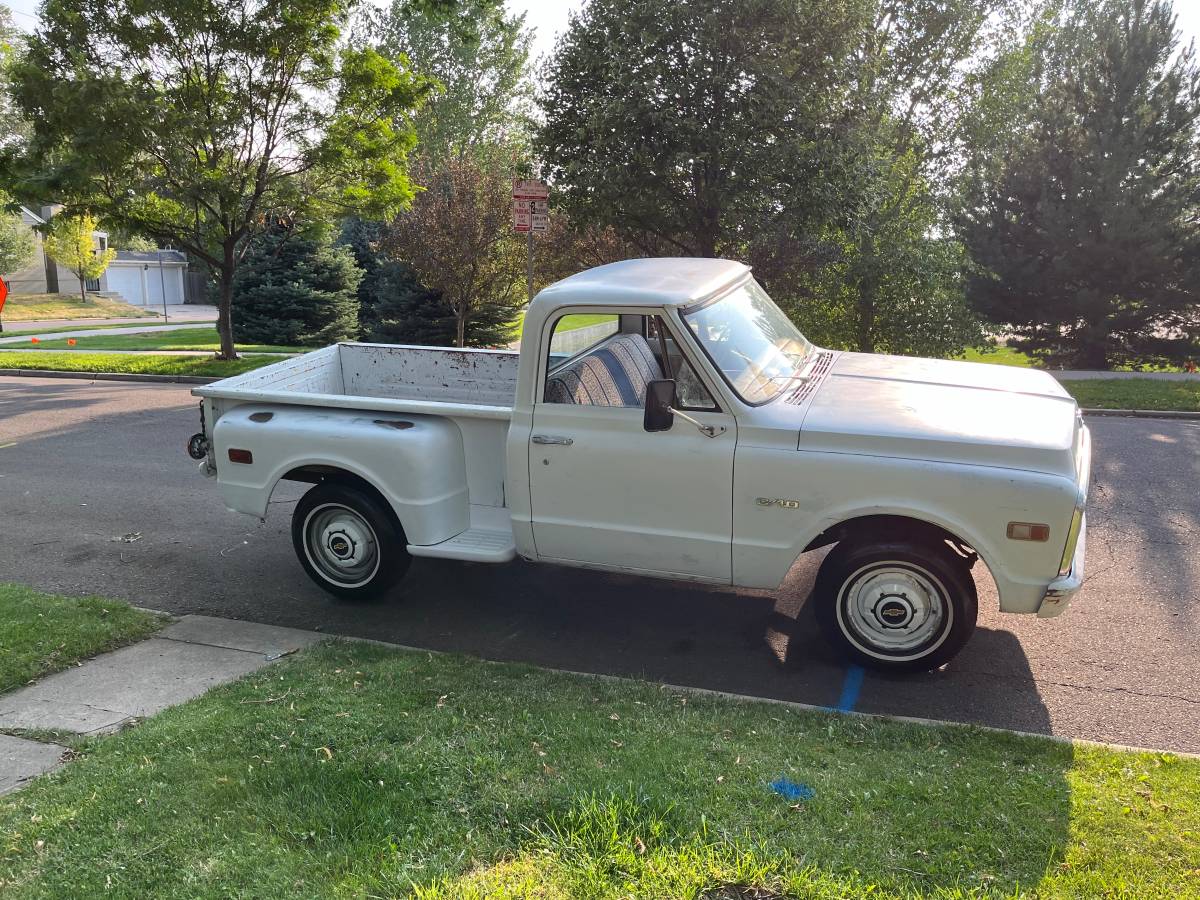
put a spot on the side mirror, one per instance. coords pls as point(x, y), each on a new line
point(660, 397)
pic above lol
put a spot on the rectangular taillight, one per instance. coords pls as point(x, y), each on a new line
point(240, 456)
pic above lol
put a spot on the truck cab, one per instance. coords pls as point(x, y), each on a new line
point(664, 418)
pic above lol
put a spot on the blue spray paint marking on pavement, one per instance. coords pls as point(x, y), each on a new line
point(790, 790)
point(850, 688)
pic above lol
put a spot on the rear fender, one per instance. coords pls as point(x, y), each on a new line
point(416, 463)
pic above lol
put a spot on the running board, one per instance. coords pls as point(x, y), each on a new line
point(488, 540)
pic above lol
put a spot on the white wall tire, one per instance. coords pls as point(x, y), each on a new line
point(349, 541)
point(896, 606)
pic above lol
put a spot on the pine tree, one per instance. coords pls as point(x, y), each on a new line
point(296, 290)
point(1085, 232)
point(404, 311)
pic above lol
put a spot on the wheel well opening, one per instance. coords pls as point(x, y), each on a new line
point(882, 527)
point(319, 474)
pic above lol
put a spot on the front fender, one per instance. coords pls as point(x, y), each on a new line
point(973, 503)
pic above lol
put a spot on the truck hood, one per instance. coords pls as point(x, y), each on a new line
point(943, 410)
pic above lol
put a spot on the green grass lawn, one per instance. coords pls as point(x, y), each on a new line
point(34, 307)
point(354, 770)
point(42, 633)
point(131, 364)
point(1136, 393)
point(999, 356)
point(199, 338)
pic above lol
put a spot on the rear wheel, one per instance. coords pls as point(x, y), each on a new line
point(348, 541)
point(897, 606)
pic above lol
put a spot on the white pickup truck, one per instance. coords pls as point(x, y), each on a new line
point(664, 418)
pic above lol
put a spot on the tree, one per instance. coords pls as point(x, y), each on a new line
point(911, 69)
point(1086, 233)
point(458, 238)
point(478, 56)
point(200, 122)
point(14, 127)
point(296, 290)
point(404, 311)
point(17, 243)
point(72, 243)
point(700, 126)
point(394, 307)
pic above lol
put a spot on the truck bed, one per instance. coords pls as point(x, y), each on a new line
point(433, 380)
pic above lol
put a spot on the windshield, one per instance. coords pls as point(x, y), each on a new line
point(754, 345)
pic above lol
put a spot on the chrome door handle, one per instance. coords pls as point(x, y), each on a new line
point(553, 439)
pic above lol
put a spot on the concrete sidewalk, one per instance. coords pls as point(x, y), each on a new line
point(182, 661)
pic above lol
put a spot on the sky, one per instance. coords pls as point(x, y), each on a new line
point(548, 17)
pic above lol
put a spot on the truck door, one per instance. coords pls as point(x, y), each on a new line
point(604, 491)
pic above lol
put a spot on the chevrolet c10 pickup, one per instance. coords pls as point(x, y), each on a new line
point(664, 418)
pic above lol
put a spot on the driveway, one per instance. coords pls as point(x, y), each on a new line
point(97, 495)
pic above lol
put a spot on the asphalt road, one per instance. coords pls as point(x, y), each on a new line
point(84, 465)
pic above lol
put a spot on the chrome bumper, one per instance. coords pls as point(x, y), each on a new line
point(1061, 590)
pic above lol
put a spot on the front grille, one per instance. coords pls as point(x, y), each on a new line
point(816, 374)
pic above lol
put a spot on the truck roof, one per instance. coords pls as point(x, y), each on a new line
point(666, 281)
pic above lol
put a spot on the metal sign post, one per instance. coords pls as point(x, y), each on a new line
point(162, 282)
point(531, 212)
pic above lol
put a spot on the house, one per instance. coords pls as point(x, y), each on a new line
point(43, 275)
point(143, 277)
point(140, 278)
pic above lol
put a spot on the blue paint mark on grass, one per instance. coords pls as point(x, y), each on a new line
point(850, 689)
point(791, 790)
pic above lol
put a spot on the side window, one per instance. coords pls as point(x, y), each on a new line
point(577, 333)
point(600, 360)
point(689, 389)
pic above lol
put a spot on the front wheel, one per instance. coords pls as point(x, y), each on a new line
point(898, 606)
point(349, 541)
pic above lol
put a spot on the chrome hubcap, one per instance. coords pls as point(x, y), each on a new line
point(894, 609)
point(341, 545)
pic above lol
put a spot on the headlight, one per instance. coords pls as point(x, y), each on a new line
point(1068, 556)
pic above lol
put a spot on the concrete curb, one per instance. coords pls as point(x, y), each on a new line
point(1143, 413)
point(112, 376)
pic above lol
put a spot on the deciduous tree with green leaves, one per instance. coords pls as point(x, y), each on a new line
point(199, 122)
point(477, 54)
point(698, 126)
point(458, 237)
point(1086, 229)
point(893, 285)
point(17, 241)
point(72, 243)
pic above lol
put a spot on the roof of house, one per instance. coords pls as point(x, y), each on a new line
point(669, 281)
point(151, 256)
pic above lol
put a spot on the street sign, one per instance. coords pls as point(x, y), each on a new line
point(531, 205)
point(522, 215)
point(530, 189)
point(3, 297)
point(531, 212)
point(531, 215)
